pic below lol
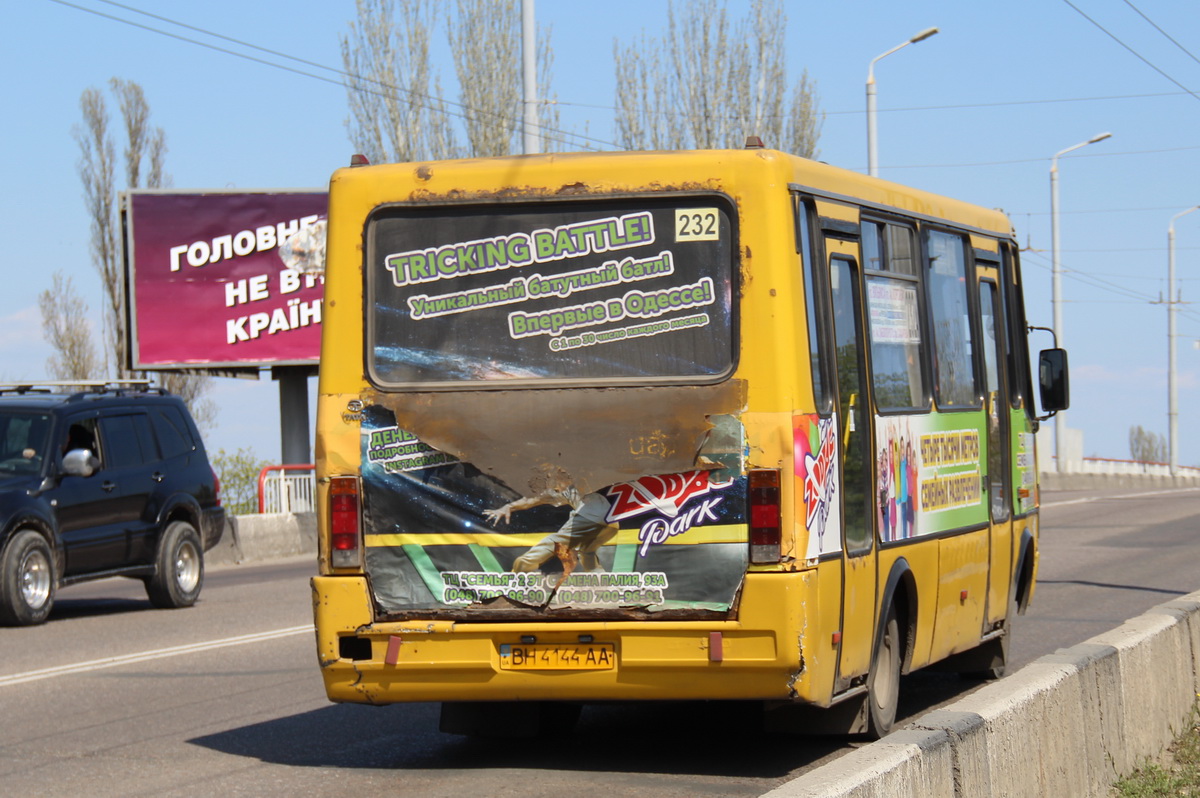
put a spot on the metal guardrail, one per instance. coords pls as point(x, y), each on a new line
point(287, 489)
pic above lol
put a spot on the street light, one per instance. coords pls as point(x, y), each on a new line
point(1172, 390)
point(1060, 420)
point(872, 153)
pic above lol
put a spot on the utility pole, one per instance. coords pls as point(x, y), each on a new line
point(532, 133)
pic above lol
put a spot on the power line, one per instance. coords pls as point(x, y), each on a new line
point(1099, 210)
point(1166, 35)
point(1041, 160)
point(1136, 54)
point(564, 137)
point(1094, 281)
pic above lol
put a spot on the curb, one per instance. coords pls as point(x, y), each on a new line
point(1069, 723)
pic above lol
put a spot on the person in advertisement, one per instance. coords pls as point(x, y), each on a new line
point(585, 531)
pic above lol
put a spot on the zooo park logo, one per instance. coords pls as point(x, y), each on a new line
point(666, 495)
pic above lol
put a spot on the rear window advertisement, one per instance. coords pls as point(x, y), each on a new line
point(440, 534)
point(580, 292)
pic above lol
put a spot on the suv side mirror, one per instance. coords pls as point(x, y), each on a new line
point(1054, 381)
point(80, 463)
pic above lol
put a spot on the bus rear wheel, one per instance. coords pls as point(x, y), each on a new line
point(883, 683)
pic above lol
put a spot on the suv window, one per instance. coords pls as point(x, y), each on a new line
point(81, 434)
point(173, 435)
point(23, 441)
point(128, 440)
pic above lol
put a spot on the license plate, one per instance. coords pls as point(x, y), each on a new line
point(546, 657)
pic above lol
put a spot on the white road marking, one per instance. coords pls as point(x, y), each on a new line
point(146, 656)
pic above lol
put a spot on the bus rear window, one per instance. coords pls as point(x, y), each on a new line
point(600, 293)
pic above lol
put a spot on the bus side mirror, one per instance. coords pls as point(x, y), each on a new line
point(1053, 380)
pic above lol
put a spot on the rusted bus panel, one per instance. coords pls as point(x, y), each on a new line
point(593, 438)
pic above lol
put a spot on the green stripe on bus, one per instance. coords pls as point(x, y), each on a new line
point(690, 605)
point(429, 573)
point(624, 558)
point(487, 560)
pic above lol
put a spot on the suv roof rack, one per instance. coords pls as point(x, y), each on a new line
point(82, 387)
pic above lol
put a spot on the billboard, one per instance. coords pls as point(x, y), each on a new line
point(224, 278)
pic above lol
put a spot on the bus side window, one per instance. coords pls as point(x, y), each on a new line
point(1019, 380)
point(813, 306)
point(953, 349)
point(894, 312)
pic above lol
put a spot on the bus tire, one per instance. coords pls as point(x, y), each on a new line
point(883, 682)
point(27, 580)
point(178, 568)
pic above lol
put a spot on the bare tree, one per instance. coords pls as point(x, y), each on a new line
point(715, 83)
point(397, 108)
point(1146, 446)
point(144, 150)
point(485, 39)
point(397, 113)
point(66, 328)
point(96, 170)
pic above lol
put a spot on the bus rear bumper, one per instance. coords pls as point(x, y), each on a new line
point(382, 663)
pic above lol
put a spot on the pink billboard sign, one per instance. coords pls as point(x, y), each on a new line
point(224, 279)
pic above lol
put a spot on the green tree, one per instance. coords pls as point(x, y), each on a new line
point(238, 472)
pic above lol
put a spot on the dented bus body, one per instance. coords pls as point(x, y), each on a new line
point(699, 425)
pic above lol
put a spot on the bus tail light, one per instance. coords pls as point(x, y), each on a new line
point(345, 542)
point(765, 519)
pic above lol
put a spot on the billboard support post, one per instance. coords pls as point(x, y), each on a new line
point(293, 413)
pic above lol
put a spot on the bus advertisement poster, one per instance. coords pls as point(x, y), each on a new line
point(440, 534)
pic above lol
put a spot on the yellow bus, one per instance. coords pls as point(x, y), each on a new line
point(649, 426)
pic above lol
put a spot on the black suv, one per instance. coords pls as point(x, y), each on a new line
point(111, 480)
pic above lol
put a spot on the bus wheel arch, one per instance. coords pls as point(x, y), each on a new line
point(1023, 576)
point(900, 592)
point(892, 654)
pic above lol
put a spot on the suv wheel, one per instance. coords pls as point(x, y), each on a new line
point(179, 568)
point(27, 580)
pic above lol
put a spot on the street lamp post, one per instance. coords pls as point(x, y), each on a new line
point(1060, 420)
point(1172, 389)
point(872, 153)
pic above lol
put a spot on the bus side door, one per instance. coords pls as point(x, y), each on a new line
point(999, 448)
point(859, 600)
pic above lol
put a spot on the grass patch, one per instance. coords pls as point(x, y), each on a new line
point(1176, 774)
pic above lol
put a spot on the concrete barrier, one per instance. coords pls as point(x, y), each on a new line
point(1070, 723)
point(252, 538)
point(1052, 481)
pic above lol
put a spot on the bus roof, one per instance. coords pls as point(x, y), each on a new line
point(569, 175)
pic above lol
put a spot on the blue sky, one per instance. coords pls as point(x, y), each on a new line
point(975, 112)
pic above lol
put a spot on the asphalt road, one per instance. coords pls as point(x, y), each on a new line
point(114, 698)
